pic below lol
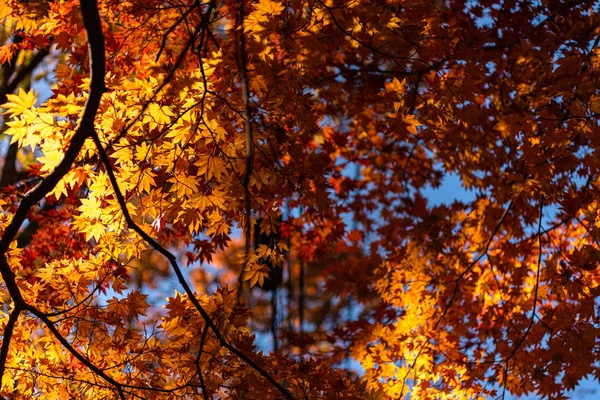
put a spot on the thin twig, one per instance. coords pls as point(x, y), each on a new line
point(198, 366)
point(456, 285)
point(470, 267)
point(535, 293)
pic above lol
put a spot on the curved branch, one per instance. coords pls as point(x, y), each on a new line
point(63, 341)
point(97, 63)
point(93, 27)
point(177, 269)
point(8, 331)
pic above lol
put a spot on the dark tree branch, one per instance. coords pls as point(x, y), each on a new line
point(23, 73)
point(198, 366)
point(93, 27)
point(8, 331)
point(65, 343)
point(171, 258)
point(177, 269)
point(10, 175)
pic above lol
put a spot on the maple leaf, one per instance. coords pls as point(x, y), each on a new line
point(20, 102)
point(7, 51)
point(269, 7)
point(95, 230)
point(158, 115)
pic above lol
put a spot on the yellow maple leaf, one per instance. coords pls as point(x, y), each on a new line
point(145, 180)
point(269, 7)
point(20, 130)
point(50, 160)
point(91, 208)
point(96, 230)
point(158, 115)
point(395, 86)
point(5, 9)
point(183, 185)
point(216, 130)
point(142, 152)
point(216, 167)
point(218, 199)
point(17, 103)
point(60, 189)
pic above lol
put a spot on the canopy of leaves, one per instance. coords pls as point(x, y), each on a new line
point(176, 130)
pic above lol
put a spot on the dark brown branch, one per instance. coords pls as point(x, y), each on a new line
point(177, 269)
point(10, 175)
point(63, 341)
point(44, 187)
point(93, 27)
point(301, 295)
point(23, 73)
point(274, 320)
point(11, 284)
point(8, 331)
point(198, 366)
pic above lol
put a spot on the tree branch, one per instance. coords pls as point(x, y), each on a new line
point(63, 341)
point(8, 331)
point(177, 269)
point(93, 27)
point(23, 73)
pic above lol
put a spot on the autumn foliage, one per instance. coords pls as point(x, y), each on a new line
point(233, 199)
